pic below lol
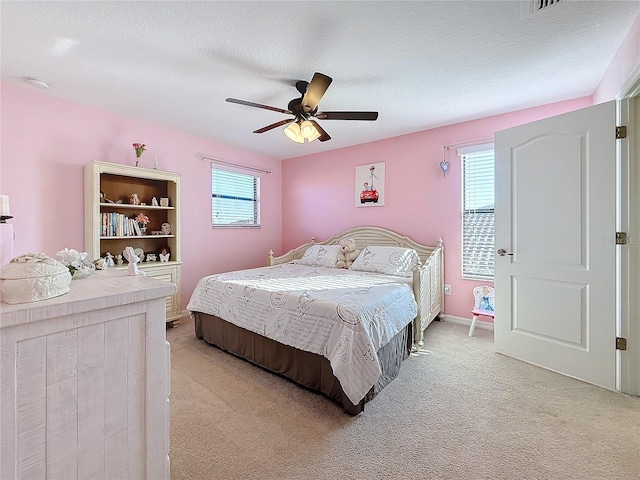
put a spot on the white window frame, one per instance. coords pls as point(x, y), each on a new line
point(478, 239)
point(242, 175)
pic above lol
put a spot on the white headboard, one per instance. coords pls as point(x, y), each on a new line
point(363, 236)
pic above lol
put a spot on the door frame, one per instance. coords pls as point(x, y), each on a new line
point(628, 220)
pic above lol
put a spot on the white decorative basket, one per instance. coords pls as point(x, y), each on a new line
point(32, 277)
point(83, 271)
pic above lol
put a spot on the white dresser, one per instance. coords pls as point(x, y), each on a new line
point(85, 382)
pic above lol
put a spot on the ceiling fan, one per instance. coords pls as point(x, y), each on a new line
point(302, 126)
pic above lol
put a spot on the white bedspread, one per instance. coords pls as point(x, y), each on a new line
point(344, 315)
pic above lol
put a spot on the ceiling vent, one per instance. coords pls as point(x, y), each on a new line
point(541, 4)
point(532, 6)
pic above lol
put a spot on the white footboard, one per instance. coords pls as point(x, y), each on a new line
point(428, 288)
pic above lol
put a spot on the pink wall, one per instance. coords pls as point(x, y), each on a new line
point(624, 64)
point(45, 143)
point(319, 189)
point(318, 196)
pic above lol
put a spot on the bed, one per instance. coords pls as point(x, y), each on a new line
point(340, 332)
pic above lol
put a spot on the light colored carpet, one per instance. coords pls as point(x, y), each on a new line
point(457, 411)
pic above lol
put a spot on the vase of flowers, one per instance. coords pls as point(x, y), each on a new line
point(139, 148)
point(142, 220)
point(78, 263)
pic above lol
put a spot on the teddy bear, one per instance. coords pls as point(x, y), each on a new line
point(348, 253)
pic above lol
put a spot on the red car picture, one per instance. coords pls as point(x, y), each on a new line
point(369, 192)
point(370, 195)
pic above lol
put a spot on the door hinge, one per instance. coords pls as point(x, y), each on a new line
point(621, 238)
point(621, 132)
point(621, 343)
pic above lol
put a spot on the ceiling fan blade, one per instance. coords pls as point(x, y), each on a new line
point(274, 125)
point(347, 115)
point(324, 136)
point(258, 105)
point(319, 84)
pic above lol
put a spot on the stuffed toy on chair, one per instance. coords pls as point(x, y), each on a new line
point(348, 253)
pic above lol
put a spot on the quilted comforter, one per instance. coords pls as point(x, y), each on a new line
point(343, 315)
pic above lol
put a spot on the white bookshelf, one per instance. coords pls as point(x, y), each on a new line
point(118, 182)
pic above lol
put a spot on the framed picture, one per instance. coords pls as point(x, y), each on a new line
point(369, 190)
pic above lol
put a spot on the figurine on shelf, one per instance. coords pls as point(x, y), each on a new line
point(104, 199)
point(154, 202)
point(108, 260)
point(164, 253)
point(134, 200)
point(119, 259)
point(165, 228)
point(133, 262)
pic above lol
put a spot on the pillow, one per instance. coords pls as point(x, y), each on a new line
point(320, 256)
point(389, 260)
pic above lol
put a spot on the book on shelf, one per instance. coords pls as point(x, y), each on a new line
point(118, 225)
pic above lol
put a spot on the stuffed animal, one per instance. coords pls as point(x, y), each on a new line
point(348, 253)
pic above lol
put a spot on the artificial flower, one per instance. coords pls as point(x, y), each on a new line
point(142, 218)
point(139, 148)
point(76, 262)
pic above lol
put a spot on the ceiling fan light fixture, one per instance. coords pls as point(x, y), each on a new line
point(293, 132)
point(307, 129)
point(314, 136)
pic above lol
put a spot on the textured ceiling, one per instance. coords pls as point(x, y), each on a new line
point(419, 64)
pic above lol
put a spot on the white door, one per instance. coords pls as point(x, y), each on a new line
point(555, 213)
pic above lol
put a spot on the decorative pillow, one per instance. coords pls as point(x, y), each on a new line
point(320, 256)
point(389, 260)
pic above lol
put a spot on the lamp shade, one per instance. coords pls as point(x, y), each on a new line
point(293, 133)
point(307, 129)
point(316, 134)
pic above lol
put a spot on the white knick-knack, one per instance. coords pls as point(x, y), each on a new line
point(155, 163)
point(133, 263)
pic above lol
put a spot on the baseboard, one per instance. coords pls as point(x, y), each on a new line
point(467, 322)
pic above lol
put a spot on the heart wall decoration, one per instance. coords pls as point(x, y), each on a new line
point(444, 165)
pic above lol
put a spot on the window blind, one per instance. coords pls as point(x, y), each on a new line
point(478, 214)
point(235, 198)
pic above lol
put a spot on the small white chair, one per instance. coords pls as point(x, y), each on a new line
point(484, 296)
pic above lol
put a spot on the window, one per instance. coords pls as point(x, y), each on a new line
point(235, 197)
point(477, 212)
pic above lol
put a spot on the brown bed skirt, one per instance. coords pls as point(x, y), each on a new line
point(308, 369)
